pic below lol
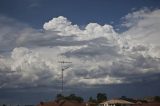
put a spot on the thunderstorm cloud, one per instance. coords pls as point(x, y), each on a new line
point(99, 55)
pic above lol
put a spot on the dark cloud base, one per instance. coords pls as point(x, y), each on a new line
point(35, 95)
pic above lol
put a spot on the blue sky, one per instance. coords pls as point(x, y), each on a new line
point(81, 12)
point(113, 45)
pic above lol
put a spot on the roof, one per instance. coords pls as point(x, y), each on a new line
point(148, 104)
point(117, 101)
point(62, 103)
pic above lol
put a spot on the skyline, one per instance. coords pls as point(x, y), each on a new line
point(113, 48)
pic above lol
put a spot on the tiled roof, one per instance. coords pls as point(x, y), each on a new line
point(61, 103)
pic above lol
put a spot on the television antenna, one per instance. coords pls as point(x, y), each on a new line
point(63, 68)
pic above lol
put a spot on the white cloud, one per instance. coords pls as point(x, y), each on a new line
point(144, 26)
point(91, 31)
point(99, 54)
point(62, 25)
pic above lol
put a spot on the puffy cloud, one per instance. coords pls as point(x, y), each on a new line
point(27, 68)
point(62, 25)
point(91, 31)
point(144, 26)
point(99, 55)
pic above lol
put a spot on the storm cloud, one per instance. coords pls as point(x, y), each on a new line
point(100, 55)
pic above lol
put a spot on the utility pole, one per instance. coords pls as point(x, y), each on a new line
point(63, 68)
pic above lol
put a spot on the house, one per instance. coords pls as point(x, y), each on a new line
point(116, 102)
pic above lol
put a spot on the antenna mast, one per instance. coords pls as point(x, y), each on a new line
point(63, 68)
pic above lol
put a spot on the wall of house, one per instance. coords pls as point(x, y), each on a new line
point(106, 104)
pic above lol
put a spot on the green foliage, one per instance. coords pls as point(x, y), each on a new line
point(71, 97)
point(101, 97)
point(59, 97)
point(92, 100)
point(74, 97)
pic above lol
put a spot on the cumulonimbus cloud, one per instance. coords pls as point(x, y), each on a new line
point(98, 53)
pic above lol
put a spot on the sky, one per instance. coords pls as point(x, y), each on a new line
point(113, 46)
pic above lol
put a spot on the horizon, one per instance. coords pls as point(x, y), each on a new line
point(113, 46)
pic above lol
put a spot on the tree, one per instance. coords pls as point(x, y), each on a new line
point(59, 97)
point(74, 97)
point(70, 98)
point(92, 100)
point(79, 99)
point(101, 97)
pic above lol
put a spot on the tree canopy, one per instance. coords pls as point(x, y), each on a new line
point(71, 97)
point(101, 97)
